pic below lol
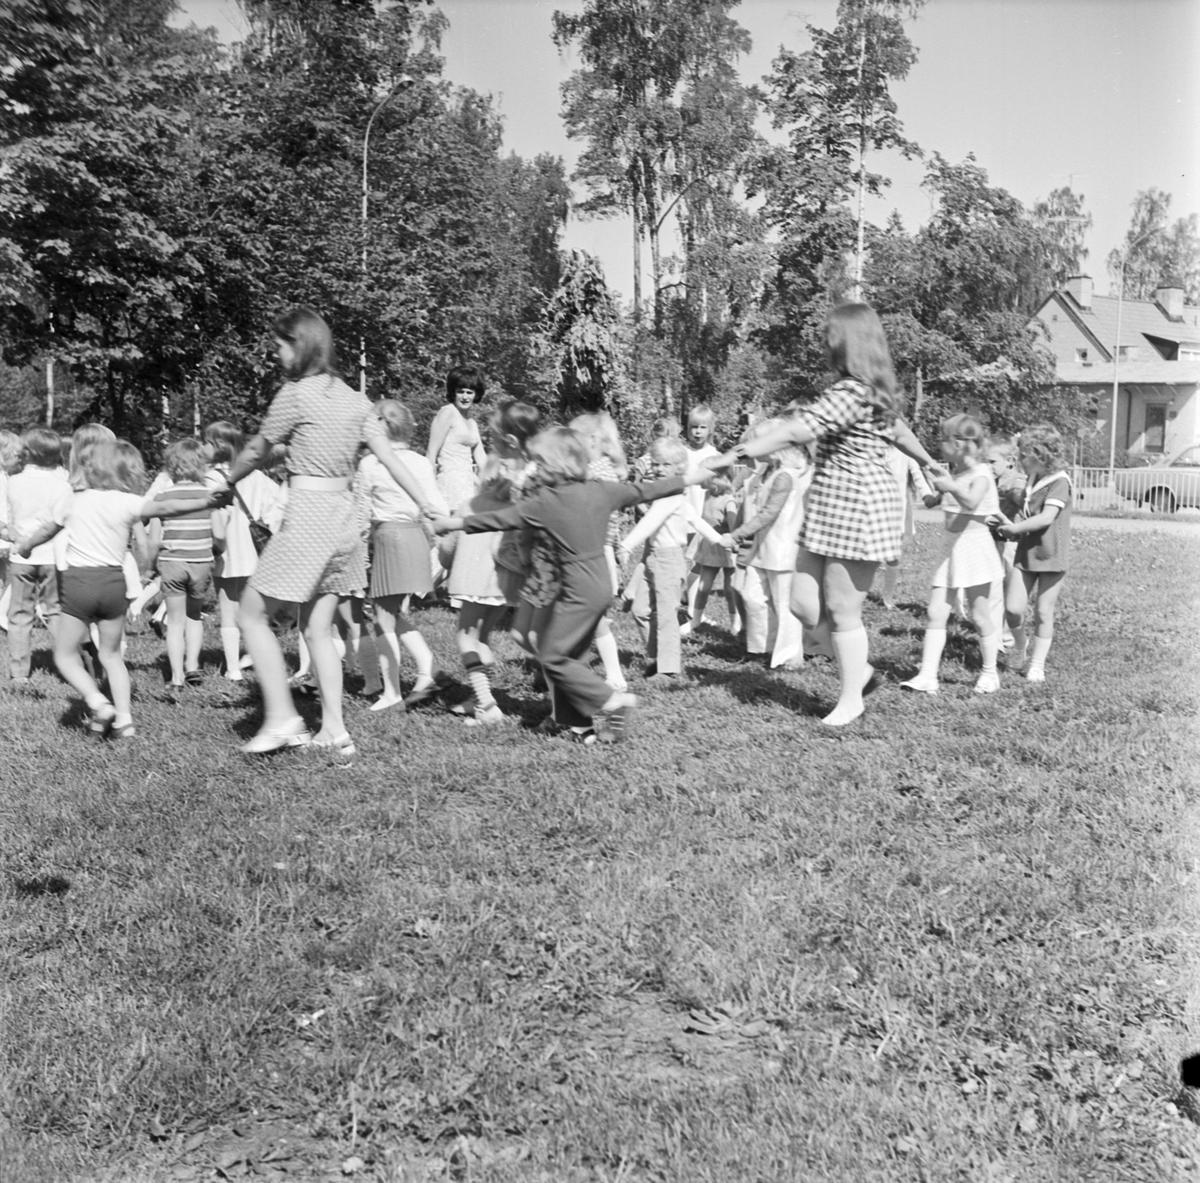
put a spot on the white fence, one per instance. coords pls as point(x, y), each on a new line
point(1161, 490)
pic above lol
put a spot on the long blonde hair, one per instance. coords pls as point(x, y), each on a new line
point(83, 441)
point(599, 432)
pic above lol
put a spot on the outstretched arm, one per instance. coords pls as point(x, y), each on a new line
point(382, 451)
point(904, 441)
point(43, 533)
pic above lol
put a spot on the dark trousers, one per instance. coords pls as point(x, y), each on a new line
point(576, 693)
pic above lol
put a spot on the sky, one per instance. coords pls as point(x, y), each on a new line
point(1101, 95)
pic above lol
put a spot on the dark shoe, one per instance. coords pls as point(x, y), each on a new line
point(194, 678)
point(125, 731)
point(425, 693)
point(614, 726)
point(100, 720)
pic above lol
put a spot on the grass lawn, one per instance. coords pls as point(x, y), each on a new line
point(955, 942)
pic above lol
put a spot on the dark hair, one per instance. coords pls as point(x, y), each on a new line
point(226, 439)
point(309, 335)
point(520, 420)
point(858, 349)
point(464, 378)
point(965, 427)
point(42, 446)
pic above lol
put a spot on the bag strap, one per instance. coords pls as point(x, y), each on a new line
point(244, 507)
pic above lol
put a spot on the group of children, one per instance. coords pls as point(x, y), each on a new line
point(540, 537)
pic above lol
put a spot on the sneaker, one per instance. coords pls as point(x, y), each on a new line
point(921, 685)
point(1035, 673)
point(614, 726)
point(100, 719)
point(193, 678)
point(122, 731)
point(583, 735)
point(489, 715)
point(989, 683)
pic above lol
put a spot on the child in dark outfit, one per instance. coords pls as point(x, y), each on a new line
point(572, 512)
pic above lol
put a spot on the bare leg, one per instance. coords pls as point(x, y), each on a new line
point(176, 636)
point(112, 633)
point(68, 658)
point(316, 621)
point(846, 584)
point(193, 635)
point(254, 616)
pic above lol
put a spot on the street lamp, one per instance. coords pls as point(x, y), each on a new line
point(404, 82)
point(1112, 434)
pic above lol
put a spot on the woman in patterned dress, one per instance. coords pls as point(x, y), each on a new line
point(318, 554)
point(851, 521)
point(455, 447)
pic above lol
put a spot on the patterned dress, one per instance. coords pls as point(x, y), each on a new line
point(319, 548)
point(854, 508)
point(455, 462)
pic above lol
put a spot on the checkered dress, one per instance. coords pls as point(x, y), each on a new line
point(854, 509)
point(319, 549)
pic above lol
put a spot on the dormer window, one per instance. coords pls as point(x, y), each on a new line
point(1081, 355)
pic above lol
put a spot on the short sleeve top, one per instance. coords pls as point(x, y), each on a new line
point(849, 429)
point(98, 522)
point(323, 422)
point(1048, 549)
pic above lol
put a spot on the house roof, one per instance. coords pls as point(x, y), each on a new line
point(1154, 371)
point(1139, 319)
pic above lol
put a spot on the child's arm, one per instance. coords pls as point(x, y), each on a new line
point(697, 522)
point(152, 541)
point(968, 490)
point(43, 533)
point(781, 486)
point(793, 431)
point(169, 507)
point(904, 441)
point(1032, 525)
point(651, 521)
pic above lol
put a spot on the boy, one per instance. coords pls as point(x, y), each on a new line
point(664, 530)
point(32, 495)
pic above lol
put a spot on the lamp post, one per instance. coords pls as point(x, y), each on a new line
point(1112, 434)
point(404, 82)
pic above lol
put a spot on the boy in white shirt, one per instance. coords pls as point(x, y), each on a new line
point(664, 530)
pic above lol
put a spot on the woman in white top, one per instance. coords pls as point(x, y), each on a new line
point(455, 446)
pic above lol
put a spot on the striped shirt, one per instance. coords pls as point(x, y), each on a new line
point(188, 538)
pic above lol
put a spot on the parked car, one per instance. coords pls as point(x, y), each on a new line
point(1163, 487)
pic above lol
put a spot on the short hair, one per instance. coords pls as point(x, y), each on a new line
point(397, 419)
point(184, 460)
point(1045, 442)
point(225, 439)
point(562, 457)
point(276, 461)
point(112, 464)
point(42, 446)
point(664, 429)
point(965, 427)
point(464, 378)
point(858, 348)
point(703, 411)
point(718, 485)
point(311, 341)
point(1003, 443)
point(600, 429)
point(10, 451)
point(84, 439)
point(669, 451)
point(520, 420)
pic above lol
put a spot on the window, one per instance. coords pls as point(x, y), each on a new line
point(1081, 355)
point(1156, 427)
point(1127, 352)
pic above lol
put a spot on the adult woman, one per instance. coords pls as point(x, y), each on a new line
point(318, 553)
point(852, 518)
point(455, 447)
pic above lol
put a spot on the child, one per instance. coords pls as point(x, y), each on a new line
point(1043, 536)
point(701, 423)
point(573, 513)
point(911, 482)
point(663, 531)
point(182, 551)
point(775, 546)
point(599, 432)
point(98, 518)
point(400, 556)
point(1000, 457)
point(720, 512)
point(969, 555)
point(10, 465)
point(258, 498)
point(32, 496)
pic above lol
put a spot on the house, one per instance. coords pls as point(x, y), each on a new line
point(1155, 362)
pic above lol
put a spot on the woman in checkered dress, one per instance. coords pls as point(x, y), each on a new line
point(318, 553)
point(851, 520)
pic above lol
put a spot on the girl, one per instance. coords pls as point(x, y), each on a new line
point(182, 551)
point(98, 517)
point(1043, 537)
point(969, 558)
point(607, 463)
point(911, 482)
point(573, 513)
point(775, 532)
point(257, 498)
point(318, 554)
point(399, 555)
point(853, 510)
point(720, 510)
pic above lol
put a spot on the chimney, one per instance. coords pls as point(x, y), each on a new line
point(1169, 297)
point(1080, 288)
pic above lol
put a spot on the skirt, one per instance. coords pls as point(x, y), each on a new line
point(853, 515)
point(709, 554)
point(473, 575)
point(318, 550)
point(400, 560)
point(969, 558)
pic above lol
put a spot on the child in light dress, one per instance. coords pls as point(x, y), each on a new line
point(969, 559)
point(1042, 533)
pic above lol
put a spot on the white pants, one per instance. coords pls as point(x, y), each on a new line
point(756, 602)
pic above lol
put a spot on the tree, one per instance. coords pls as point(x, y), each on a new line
point(1064, 226)
point(1155, 252)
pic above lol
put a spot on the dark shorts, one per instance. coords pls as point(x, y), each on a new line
point(185, 579)
point(92, 593)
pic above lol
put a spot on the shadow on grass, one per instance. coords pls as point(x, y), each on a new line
point(755, 685)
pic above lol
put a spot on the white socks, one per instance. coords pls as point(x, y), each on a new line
point(851, 650)
point(1036, 671)
point(931, 653)
point(231, 643)
point(610, 658)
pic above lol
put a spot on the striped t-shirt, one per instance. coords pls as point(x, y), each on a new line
point(188, 538)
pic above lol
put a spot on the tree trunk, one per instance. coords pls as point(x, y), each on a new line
point(637, 255)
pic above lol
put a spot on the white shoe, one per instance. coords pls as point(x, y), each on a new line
point(1035, 673)
point(989, 683)
point(292, 734)
point(922, 685)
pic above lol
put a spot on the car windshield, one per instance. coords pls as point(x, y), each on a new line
point(1188, 459)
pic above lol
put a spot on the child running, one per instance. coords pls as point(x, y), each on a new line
point(98, 519)
point(969, 559)
point(573, 513)
point(1043, 537)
